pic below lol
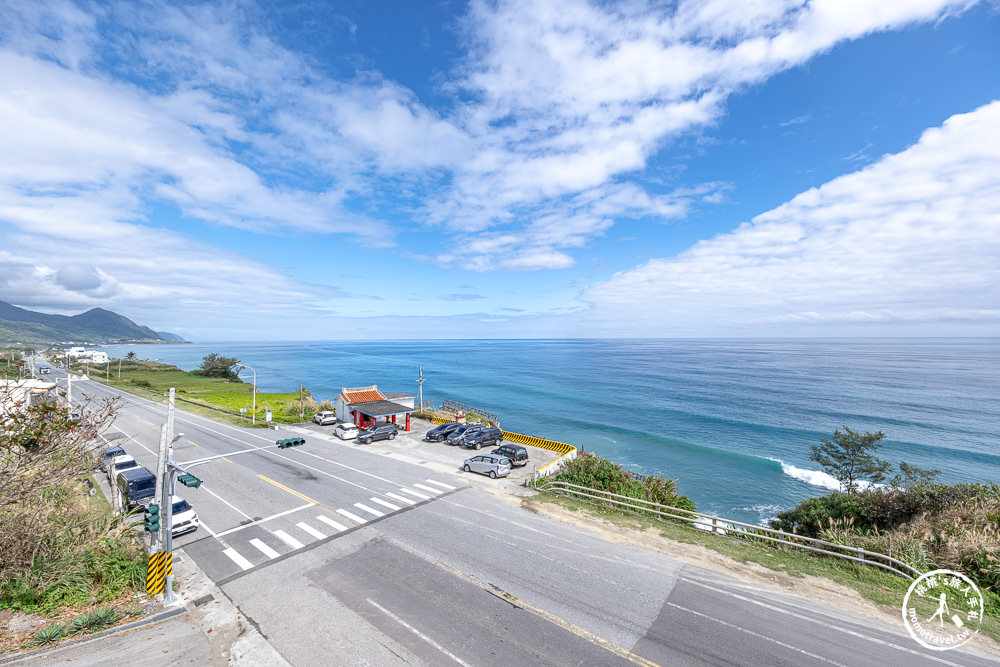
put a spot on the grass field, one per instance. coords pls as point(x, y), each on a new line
point(212, 392)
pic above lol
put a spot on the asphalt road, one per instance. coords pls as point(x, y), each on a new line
point(339, 555)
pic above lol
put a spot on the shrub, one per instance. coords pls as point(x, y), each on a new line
point(599, 473)
point(813, 515)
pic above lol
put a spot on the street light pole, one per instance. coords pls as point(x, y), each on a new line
point(253, 415)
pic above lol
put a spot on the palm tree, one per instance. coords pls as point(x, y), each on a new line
point(130, 356)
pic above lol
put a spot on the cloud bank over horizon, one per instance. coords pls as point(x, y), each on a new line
point(913, 238)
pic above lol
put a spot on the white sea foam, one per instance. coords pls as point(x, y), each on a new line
point(817, 477)
point(764, 512)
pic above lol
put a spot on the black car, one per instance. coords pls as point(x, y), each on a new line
point(109, 453)
point(380, 432)
point(456, 436)
point(517, 454)
point(137, 486)
point(483, 436)
point(439, 433)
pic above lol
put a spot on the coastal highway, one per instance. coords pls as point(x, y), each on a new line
point(339, 555)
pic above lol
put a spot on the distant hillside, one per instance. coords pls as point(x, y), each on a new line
point(171, 337)
point(97, 325)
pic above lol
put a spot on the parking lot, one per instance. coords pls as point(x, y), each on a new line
point(414, 448)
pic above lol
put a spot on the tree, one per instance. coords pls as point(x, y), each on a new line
point(42, 451)
point(214, 366)
point(130, 356)
point(912, 476)
point(850, 458)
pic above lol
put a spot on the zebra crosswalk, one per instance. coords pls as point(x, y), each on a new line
point(255, 544)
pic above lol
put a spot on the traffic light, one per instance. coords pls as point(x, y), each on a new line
point(291, 442)
point(151, 518)
point(187, 479)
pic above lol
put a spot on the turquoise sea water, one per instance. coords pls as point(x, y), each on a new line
point(732, 420)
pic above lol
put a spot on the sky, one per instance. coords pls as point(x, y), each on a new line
point(540, 169)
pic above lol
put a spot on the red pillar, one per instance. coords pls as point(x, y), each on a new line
point(355, 413)
point(407, 421)
point(394, 419)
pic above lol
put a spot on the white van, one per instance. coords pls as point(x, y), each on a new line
point(346, 431)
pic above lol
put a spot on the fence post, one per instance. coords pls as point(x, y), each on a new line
point(715, 525)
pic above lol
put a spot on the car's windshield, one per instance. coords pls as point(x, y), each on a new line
point(181, 506)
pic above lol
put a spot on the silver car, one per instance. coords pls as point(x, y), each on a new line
point(493, 465)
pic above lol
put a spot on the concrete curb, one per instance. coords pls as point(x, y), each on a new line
point(149, 620)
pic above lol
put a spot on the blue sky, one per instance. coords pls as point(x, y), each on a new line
point(504, 169)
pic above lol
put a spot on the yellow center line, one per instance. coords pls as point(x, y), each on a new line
point(285, 488)
point(228, 461)
point(194, 443)
point(548, 616)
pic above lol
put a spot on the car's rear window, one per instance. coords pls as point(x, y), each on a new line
point(144, 484)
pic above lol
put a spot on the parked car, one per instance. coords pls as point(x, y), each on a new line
point(121, 463)
point(184, 519)
point(380, 432)
point(493, 465)
point(456, 436)
point(346, 431)
point(136, 486)
point(439, 433)
point(110, 452)
point(491, 437)
point(325, 418)
point(44, 369)
point(517, 454)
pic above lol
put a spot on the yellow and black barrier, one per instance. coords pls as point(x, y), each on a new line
point(156, 572)
point(561, 447)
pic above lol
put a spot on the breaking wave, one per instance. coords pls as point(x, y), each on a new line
point(817, 477)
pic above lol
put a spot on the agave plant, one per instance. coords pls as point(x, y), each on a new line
point(50, 634)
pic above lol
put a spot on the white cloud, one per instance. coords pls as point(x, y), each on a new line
point(914, 238)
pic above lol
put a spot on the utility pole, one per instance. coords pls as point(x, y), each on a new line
point(168, 509)
point(107, 372)
point(302, 407)
point(420, 391)
point(119, 370)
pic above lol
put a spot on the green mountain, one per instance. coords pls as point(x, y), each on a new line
point(95, 326)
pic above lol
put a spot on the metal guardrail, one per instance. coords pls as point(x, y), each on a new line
point(721, 526)
point(561, 447)
point(453, 405)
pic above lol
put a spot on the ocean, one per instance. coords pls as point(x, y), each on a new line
point(731, 420)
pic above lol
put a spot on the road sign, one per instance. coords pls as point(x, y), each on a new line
point(156, 572)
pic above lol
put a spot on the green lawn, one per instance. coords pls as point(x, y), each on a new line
point(214, 392)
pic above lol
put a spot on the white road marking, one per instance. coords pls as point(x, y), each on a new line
point(238, 559)
point(824, 622)
point(264, 549)
point(385, 504)
point(416, 632)
point(428, 489)
point(330, 522)
point(401, 499)
point(369, 509)
point(415, 493)
point(755, 634)
point(441, 484)
point(288, 539)
point(353, 517)
point(312, 531)
point(260, 521)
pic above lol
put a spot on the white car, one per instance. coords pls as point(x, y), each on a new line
point(120, 463)
point(346, 431)
point(325, 418)
point(184, 518)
